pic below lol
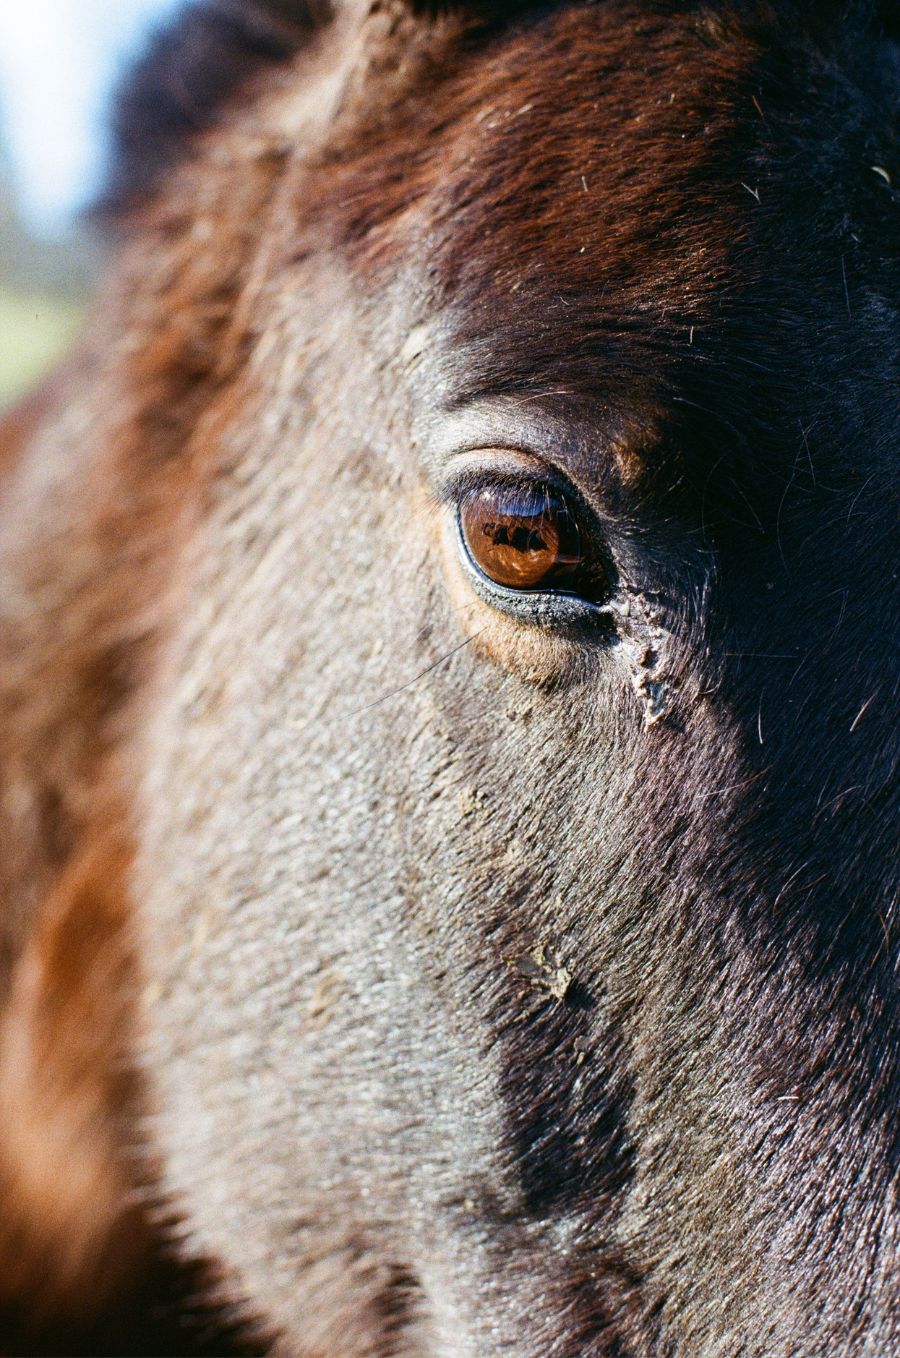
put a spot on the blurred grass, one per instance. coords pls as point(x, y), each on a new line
point(35, 329)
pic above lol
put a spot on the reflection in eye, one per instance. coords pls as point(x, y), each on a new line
point(526, 537)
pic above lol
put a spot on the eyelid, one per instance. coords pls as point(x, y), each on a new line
point(581, 442)
point(472, 469)
point(476, 468)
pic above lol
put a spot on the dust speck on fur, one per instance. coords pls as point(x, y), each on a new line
point(324, 998)
point(544, 970)
point(470, 800)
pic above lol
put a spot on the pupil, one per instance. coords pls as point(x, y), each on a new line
point(517, 536)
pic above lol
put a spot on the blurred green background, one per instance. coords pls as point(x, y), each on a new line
point(34, 329)
point(60, 61)
point(44, 285)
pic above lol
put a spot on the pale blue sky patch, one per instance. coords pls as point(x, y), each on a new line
point(59, 60)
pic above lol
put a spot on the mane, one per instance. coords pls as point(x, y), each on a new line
point(188, 74)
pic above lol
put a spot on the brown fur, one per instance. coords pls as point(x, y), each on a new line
point(103, 587)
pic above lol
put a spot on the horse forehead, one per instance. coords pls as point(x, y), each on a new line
point(596, 142)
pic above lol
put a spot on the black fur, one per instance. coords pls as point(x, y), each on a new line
point(884, 14)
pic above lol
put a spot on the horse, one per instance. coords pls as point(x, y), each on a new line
point(445, 693)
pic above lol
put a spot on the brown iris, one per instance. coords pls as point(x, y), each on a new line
point(524, 537)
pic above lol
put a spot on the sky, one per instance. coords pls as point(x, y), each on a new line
point(59, 60)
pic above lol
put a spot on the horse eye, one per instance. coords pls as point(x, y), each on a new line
point(527, 537)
